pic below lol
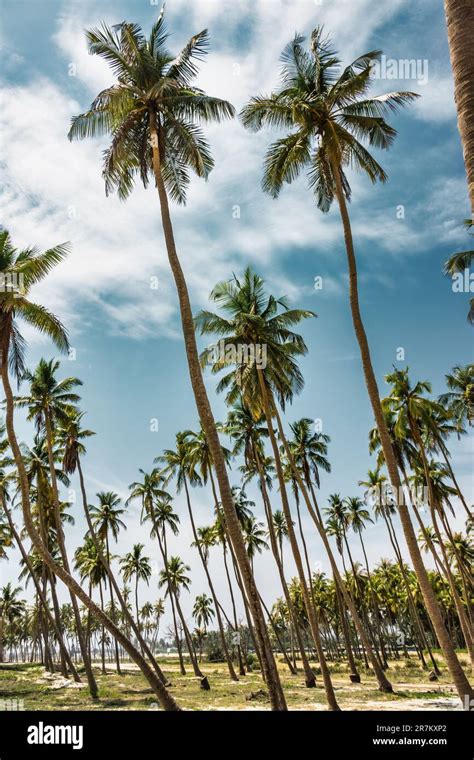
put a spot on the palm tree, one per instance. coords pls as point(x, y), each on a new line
point(153, 112)
point(49, 403)
point(11, 608)
point(328, 115)
point(460, 22)
point(281, 529)
point(203, 614)
point(175, 577)
point(103, 521)
point(135, 564)
point(257, 342)
point(413, 409)
point(163, 517)
point(459, 400)
point(88, 563)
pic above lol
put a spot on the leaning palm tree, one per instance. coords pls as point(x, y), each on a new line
point(20, 271)
point(153, 112)
point(460, 22)
point(331, 116)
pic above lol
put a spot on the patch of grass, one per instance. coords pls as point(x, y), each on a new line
point(130, 691)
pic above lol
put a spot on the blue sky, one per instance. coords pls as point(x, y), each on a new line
point(126, 335)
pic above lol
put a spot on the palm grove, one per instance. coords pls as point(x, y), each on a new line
point(357, 614)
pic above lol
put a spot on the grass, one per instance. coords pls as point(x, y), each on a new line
point(38, 690)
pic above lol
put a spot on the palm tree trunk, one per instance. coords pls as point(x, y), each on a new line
point(229, 582)
point(102, 648)
point(459, 677)
point(166, 700)
point(164, 554)
point(227, 656)
point(460, 22)
point(329, 689)
point(112, 603)
point(203, 680)
point(464, 623)
point(272, 677)
point(310, 679)
point(384, 683)
point(411, 602)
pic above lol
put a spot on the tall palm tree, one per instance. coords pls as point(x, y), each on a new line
point(329, 114)
point(413, 410)
point(257, 342)
point(135, 564)
point(88, 563)
point(175, 578)
point(460, 21)
point(153, 113)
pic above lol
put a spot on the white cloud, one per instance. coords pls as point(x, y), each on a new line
point(54, 191)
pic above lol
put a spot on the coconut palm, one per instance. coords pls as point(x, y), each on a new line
point(11, 608)
point(153, 112)
point(459, 399)
point(329, 114)
point(134, 564)
point(413, 411)
point(257, 342)
point(175, 578)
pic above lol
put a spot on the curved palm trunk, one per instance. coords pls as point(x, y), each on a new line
point(359, 596)
point(460, 22)
point(227, 656)
point(102, 643)
point(459, 677)
point(166, 700)
point(272, 677)
point(448, 464)
point(311, 612)
point(291, 665)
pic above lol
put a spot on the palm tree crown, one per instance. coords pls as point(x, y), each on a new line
point(153, 90)
point(330, 115)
